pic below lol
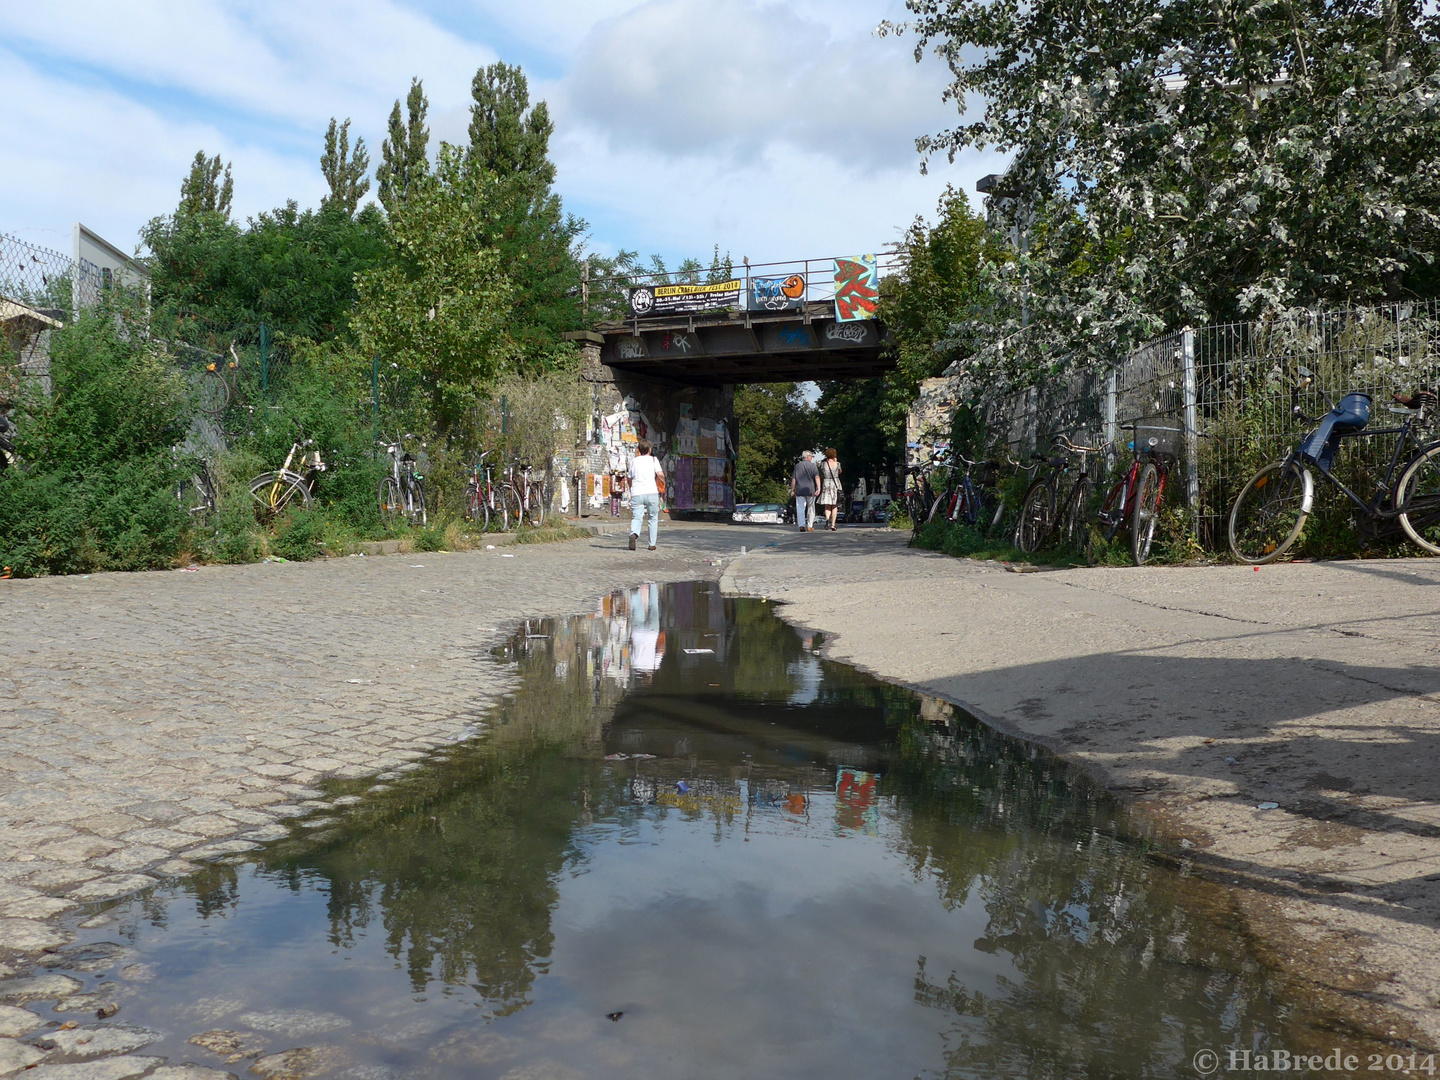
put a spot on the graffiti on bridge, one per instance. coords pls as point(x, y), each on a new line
point(857, 288)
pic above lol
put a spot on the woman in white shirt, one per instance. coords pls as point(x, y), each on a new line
point(647, 482)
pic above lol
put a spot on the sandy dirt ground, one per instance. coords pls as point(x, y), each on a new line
point(1201, 696)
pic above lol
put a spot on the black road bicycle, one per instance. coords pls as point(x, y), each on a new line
point(1043, 515)
point(1270, 512)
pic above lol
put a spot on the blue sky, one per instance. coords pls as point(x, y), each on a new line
point(777, 130)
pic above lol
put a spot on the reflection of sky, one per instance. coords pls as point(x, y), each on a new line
point(761, 946)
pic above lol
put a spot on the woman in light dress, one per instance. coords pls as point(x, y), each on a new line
point(829, 499)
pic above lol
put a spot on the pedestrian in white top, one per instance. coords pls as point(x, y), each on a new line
point(647, 484)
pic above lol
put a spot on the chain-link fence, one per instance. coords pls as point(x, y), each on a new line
point(1229, 388)
point(46, 280)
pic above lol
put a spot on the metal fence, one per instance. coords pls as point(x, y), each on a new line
point(1229, 386)
point(47, 280)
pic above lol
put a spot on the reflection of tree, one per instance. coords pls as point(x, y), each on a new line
point(460, 867)
point(1118, 969)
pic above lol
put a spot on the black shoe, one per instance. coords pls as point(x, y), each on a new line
point(652, 547)
point(633, 537)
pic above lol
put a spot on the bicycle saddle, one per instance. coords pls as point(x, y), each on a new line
point(1421, 399)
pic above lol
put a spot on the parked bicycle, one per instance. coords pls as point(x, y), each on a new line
point(920, 498)
point(219, 383)
point(292, 483)
point(197, 494)
point(484, 498)
point(1271, 510)
point(971, 497)
point(1134, 501)
point(1043, 514)
point(402, 493)
point(524, 495)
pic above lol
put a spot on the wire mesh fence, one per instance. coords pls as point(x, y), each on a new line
point(1229, 387)
point(46, 280)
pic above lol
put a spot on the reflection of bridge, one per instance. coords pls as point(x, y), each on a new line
point(777, 322)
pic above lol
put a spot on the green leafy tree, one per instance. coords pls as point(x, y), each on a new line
point(507, 135)
point(1198, 160)
point(536, 240)
point(208, 189)
point(292, 270)
point(345, 172)
point(775, 426)
point(441, 309)
point(404, 156)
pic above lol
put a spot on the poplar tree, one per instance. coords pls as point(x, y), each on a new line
point(204, 190)
point(405, 154)
point(507, 136)
point(344, 171)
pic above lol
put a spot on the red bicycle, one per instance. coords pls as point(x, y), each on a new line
point(1135, 500)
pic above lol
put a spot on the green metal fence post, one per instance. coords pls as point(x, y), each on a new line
point(375, 394)
point(264, 361)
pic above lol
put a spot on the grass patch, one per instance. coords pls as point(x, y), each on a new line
point(548, 534)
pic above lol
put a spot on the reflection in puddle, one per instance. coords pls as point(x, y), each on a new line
point(689, 846)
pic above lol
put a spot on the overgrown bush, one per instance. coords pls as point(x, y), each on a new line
point(96, 490)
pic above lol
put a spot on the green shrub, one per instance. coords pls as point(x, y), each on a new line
point(298, 534)
point(98, 488)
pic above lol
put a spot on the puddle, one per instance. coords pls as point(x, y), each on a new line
point(690, 847)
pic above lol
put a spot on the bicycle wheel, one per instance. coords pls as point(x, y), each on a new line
point(1419, 492)
point(1270, 512)
point(967, 510)
point(1146, 514)
point(392, 503)
point(1037, 517)
point(213, 394)
point(418, 516)
point(1076, 527)
point(536, 508)
point(472, 501)
point(273, 492)
point(510, 498)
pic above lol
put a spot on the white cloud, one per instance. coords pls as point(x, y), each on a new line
point(769, 75)
point(775, 130)
point(300, 63)
point(81, 153)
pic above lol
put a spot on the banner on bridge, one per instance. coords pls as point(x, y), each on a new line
point(649, 301)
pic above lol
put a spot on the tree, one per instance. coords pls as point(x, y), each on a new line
point(404, 155)
point(1198, 160)
point(203, 191)
point(536, 240)
point(441, 309)
point(775, 426)
point(293, 270)
point(344, 171)
point(507, 136)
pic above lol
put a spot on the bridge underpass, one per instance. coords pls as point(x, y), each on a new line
point(667, 372)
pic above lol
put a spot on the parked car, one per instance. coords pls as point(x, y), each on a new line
point(763, 513)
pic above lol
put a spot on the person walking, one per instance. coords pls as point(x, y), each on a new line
point(647, 484)
point(804, 483)
point(830, 488)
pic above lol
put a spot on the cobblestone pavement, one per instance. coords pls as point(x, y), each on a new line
point(153, 721)
point(1282, 724)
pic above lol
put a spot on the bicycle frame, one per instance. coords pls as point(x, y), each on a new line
point(1384, 490)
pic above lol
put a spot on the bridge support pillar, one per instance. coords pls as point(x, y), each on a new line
point(692, 429)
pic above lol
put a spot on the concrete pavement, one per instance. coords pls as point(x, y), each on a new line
point(1199, 695)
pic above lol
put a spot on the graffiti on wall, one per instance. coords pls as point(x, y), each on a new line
point(857, 288)
point(777, 293)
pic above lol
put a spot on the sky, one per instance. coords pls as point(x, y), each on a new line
point(775, 130)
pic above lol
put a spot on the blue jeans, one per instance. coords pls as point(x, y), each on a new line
point(805, 511)
point(640, 505)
